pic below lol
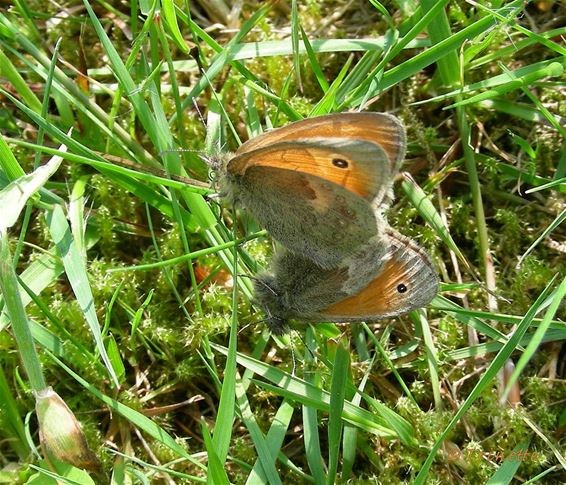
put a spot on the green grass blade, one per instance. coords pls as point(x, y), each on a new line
point(428, 212)
point(298, 390)
point(266, 454)
point(553, 225)
point(134, 417)
point(295, 26)
point(168, 7)
point(509, 467)
point(340, 374)
point(11, 74)
point(486, 378)
point(78, 278)
point(274, 440)
point(216, 471)
point(18, 318)
point(225, 417)
point(534, 344)
point(310, 415)
point(554, 69)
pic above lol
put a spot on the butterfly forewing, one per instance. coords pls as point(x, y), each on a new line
point(380, 128)
point(358, 166)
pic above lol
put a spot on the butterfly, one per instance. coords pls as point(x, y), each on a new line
point(320, 187)
point(388, 276)
point(315, 184)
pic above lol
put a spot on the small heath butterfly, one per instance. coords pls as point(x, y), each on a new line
point(315, 184)
point(388, 276)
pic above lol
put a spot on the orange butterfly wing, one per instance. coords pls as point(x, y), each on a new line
point(381, 128)
point(357, 165)
point(405, 282)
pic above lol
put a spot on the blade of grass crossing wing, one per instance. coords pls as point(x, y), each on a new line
point(78, 278)
point(340, 376)
point(490, 374)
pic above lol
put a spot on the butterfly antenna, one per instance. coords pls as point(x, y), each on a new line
point(197, 109)
point(263, 283)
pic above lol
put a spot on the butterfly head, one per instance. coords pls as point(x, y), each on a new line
point(216, 161)
point(268, 297)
